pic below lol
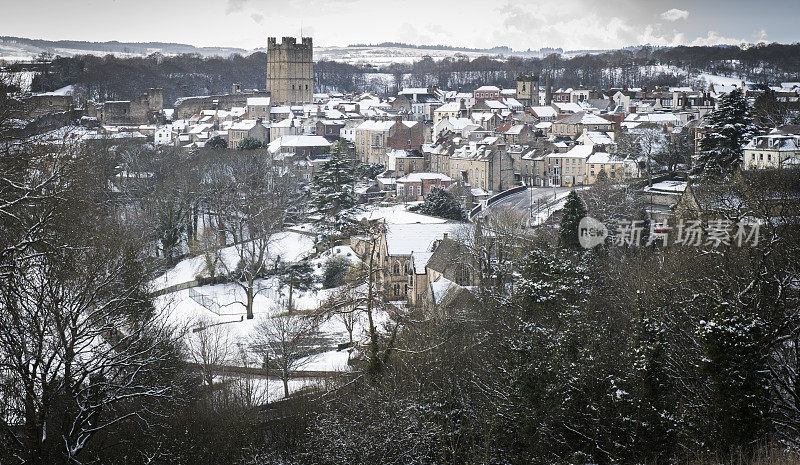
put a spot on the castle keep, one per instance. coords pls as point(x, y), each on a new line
point(290, 71)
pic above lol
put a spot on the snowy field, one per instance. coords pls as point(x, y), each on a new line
point(289, 246)
point(397, 214)
point(219, 308)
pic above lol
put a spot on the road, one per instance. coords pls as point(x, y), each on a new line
point(522, 201)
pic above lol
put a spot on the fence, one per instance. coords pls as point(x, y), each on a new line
point(204, 300)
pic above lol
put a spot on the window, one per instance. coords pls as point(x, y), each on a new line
point(419, 190)
point(396, 267)
point(397, 289)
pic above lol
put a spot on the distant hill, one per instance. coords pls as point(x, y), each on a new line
point(20, 48)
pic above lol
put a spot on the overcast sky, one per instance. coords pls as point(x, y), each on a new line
point(570, 24)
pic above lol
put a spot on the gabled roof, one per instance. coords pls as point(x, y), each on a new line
point(583, 118)
point(403, 239)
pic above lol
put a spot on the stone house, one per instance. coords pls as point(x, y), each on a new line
point(416, 185)
point(244, 129)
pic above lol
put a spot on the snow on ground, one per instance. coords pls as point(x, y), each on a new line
point(23, 78)
point(545, 213)
point(224, 315)
point(289, 246)
point(231, 325)
point(66, 90)
point(345, 251)
point(262, 390)
point(720, 80)
point(397, 214)
point(332, 360)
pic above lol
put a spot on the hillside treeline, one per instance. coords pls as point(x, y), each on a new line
point(111, 78)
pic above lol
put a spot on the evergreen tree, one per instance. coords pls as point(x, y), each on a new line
point(731, 127)
point(333, 197)
point(297, 276)
point(250, 143)
point(735, 365)
point(335, 272)
point(443, 204)
point(574, 211)
point(218, 142)
point(369, 171)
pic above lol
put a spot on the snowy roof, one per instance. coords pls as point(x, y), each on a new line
point(544, 112)
point(667, 186)
point(494, 105)
point(777, 142)
point(66, 90)
point(487, 89)
point(374, 125)
point(440, 288)
point(244, 125)
point(259, 101)
point(579, 151)
point(597, 137)
point(604, 158)
point(452, 106)
point(419, 177)
point(286, 123)
point(653, 117)
point(403, 239)
point(299, 141)
point(420, 261)
point(459, 124)
point(568, 107)
point(414, 90)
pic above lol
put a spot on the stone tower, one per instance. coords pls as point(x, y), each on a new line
point(290, 71)
point(548, 91)
point(528, 90)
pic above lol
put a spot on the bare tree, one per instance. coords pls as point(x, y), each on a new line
point(287, 342)
point(80, 342)
point(643, 142)
point(361, 294)
point(211, 347)
point(249, 197)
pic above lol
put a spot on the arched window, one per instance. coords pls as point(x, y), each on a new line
point(396, 267)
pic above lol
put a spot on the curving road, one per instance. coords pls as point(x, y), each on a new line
point(522, 201)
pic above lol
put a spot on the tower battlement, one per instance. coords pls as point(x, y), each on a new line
point(290, 70)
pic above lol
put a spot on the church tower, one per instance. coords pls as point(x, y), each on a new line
point(290, 71)
point(528, 90)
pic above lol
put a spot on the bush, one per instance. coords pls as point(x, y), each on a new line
point(249, 143)
point(216, 143)
point(443, 204)
point(335, 271)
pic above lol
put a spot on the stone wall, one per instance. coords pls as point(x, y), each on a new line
point(188, 106)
